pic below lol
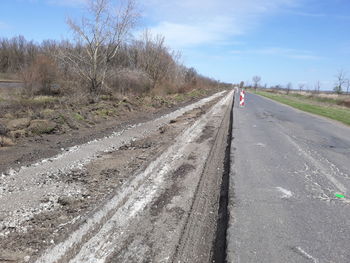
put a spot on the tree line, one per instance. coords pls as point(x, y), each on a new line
point(341, 84)
point(103, 57)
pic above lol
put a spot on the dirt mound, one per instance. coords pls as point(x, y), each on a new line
point(18, 124)
point(41, 126)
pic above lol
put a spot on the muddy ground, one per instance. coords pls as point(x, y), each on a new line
point(95, 184)
point(27, 149)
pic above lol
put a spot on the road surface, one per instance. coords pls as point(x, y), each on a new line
point(286, 168)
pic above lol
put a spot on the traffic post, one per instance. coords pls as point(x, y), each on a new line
point(241, 98)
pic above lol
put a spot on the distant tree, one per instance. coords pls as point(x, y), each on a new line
point(301, 86)
point(190, 76)
point(154, 58)
point(241, 85)
point(347, 86)
point(99, 36)
point(340, 81)
point(256, 80)
point(16, 53)
point(317, 86)
point(288, 88)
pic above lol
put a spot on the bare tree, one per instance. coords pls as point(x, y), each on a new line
point(99, 36)
point(301, 86)
point(347, 86)
point(317, 86)
point(288, 88)
point(256, 80)
point(340, 81)
point(16, 53)
point(191, 76)
point(154, 58)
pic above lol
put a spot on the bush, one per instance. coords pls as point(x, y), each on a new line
point(130, 81)
point(41, 76)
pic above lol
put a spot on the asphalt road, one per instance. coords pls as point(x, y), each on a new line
point(286, 168)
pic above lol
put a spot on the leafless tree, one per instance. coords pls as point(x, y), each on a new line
point(153, 57)
point(340, 81)
point(347, 86)
point(317, 86)
point(191, 76)
point(301, 86)
point(16, 53)
point(99, 36)
point(288, 88)
point(256, 80)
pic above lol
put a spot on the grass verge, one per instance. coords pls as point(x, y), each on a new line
point(339, 114)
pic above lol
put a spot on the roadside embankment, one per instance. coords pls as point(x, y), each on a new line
point(129, 195)
point(39, 127)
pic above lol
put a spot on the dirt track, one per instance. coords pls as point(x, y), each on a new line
point(149, 193)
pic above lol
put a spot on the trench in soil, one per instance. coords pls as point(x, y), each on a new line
point(220, 245)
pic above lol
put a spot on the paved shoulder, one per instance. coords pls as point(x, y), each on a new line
point(288, 168)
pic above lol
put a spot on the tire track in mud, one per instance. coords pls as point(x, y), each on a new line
point(112, 227)
point(204, 235)
point(27, 233)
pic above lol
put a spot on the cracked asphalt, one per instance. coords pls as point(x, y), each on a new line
point(287, 167)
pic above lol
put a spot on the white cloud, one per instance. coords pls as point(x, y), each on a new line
point(194, 22)
point(183, 35)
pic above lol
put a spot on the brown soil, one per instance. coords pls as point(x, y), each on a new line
point(99, 180)
point(74, 131)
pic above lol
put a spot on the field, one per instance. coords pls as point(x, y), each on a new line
point(333, 106)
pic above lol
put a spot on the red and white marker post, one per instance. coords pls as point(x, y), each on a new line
point(241, 98)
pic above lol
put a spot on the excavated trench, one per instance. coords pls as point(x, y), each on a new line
point(220, 245)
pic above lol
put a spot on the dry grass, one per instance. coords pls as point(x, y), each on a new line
point(6, 142)
point(304, 103)
point(8, 77)
point(322, 98)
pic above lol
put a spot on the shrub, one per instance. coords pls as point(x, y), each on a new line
point(40, 77)
point(130, 81)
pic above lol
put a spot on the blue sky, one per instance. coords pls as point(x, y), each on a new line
point(297, 41)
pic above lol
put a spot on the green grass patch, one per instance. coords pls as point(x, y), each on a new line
point(61, 119)
point(42, 130)
point(315, 98)
point(105, 112)
point(179, 97)
point(78, 117)
point(339, 114)
point(196, 93)
point(106, 97)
